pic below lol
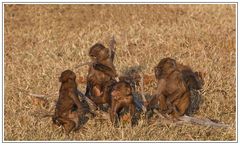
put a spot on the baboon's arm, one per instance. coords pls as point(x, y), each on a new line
point(105, 69)
point(75, 99)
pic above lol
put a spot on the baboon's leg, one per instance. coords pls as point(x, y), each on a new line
point(96, 91)
point(68, 124)
point(113, 112)
point(153, 102)
point(173, 101)
point(162, 103)
point(97, 95)
point(132, 110)
point(182, 105)
point(75, 117)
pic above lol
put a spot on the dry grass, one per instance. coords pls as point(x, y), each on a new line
point(43, 40)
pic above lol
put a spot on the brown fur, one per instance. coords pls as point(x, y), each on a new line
point(101, 74)
point(174, 84)
point(69, 108)
point(121, 98)
point(194, 80)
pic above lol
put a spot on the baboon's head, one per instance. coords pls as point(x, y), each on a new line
point(99, 52)
point(133, 75)
point(165, 66)
point(121, 88)
point(67, 75)
point(199, 80)
point(193, 80)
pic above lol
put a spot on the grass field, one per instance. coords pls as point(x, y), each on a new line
point(41, 41)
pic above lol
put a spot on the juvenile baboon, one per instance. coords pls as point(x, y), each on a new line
point(195, 82)
point(121, 97)
point(136, 79)
point(101, 74)
point(68, 108)
point(174, 84)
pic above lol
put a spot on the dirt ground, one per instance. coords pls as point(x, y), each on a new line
point(41, 41)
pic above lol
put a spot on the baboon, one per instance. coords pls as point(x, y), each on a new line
point(68, 109)
point(174, 84)
point(132, 76)
point(102, 73)
point(121, 97)
point(135, 78)
point(194, 80)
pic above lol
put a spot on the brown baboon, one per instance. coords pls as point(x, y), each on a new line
point(174, 84)
point(101, 74)
point(194, 80)
point(68, 108)
point(132, 75)
point(121, 97)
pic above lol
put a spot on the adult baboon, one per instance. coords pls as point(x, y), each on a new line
point(174, 84)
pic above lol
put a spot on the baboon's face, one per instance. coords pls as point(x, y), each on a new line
point(98, 52)
point(165, 66)
point(198, 81)
point(136, 77)
point(194, 80)
point(168, 63)
point(103, 54)
point(66, 75)
point(121, 89)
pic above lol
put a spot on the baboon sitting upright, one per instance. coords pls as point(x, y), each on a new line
point(68, 109)
point(101, 74)
point(121, 97)
point(174, 84)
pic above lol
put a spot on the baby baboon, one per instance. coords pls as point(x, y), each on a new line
point(122, 97)
point(194, 80)
point(132, 75)
point(68, 108)
point(101, 74)
point(174, 84)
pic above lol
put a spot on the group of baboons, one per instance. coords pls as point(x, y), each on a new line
point(104, 86)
